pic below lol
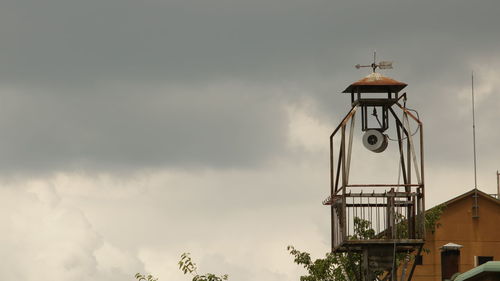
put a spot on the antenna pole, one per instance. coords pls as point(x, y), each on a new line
point(475, 207)
point(474, 132)
point(498, 185)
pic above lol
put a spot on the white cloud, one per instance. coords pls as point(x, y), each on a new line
point(47, 239)
point(305, 130)
point(107, 227)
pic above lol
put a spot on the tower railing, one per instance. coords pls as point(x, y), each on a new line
point(377, 217)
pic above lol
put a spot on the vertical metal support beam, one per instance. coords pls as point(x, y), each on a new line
point(408, 188)
point(342, 148)
point(394, 265)
point(366, 266)
point(401, 153)
point(344, 183)
point(414, 265)
point(419, 174)
point(332, 209)
point(364, 118)
point(391, 216)
point(422, 179)
point(400, 127)
point(349, 152)
point(385, 114)
point(339, 218)
point(422, 212)
point(410, 210)
point(332, 221)
point(332, 168)
point(412, 218)
point(408, 153)
point(339, 167)
point(412, 146)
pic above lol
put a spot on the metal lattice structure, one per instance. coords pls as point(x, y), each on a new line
point(394, 211)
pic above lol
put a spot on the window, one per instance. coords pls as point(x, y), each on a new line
point(483, 259)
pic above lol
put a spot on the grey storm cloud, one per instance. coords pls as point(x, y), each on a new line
point(59, 58)
point(133, 131)
point(122, 128)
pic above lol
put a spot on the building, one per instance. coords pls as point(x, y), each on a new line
point(462, 239)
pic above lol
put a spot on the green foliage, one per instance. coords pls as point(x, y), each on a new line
point(335, 266)
point(432, 217)
point(362, 230)
point(326, 269)
point(347, 266)
point(210, 277)
point(187, 266)
point(141, 277)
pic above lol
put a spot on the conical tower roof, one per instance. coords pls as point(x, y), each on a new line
point(375, 83)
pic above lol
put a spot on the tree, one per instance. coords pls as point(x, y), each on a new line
point(335, 266)
point(142, 277)
point(188, 266)
point(347, 266)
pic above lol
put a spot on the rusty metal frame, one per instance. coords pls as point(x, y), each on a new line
point(343, 165)
point(412, 170)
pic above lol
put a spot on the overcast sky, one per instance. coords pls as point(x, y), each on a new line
point(134, 131)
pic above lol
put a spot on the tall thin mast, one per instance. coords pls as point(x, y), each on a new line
point(475, 207)
point(498, 185)
point(474, 132)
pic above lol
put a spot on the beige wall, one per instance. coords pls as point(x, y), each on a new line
point(479, 236)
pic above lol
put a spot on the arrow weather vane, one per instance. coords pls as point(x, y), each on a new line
point(375, 65)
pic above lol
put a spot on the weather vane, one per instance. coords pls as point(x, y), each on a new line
point(375, 65)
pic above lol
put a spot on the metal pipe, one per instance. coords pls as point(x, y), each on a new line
point(475, 207)
point(474, 133)
point(351, 133)
point(399, 125)
point(337, 177)
point(331, 166)
point(498, 185)
point(344, 183)
point(422, 178)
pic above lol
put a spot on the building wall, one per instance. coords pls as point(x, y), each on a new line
point(478, 236)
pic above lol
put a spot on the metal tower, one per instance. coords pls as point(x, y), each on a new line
point(392, 214)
